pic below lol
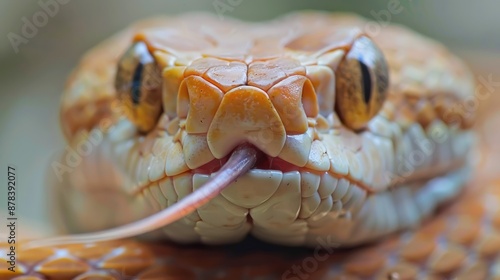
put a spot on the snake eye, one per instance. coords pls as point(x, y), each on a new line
point(362, 81)
point(138, 84)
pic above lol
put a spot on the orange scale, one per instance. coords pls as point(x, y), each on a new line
point(33, 256)
point(432, 229)
point(97, 275)
point(488, 245)
point(496, 220)
point(364, 263)
point(130, 259)
point(26, 277)
point(417, 249)
point(476, 270)
point(94, 251)
point(474, 208)
point(62, 267)
point(399, 271)
point(5, 273)
point(447, 260)
point(464, 231)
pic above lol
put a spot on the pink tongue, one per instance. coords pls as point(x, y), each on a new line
point(242, 159)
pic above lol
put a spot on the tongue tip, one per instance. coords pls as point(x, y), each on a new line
point(246, 151)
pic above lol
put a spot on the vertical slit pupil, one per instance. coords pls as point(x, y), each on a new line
point(366, 81)
point(136, 83)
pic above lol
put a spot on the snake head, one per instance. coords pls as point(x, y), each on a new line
point(308, 95)
point(272, 103)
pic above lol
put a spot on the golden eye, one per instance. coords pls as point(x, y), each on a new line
point(362, 81)
point(138, 84)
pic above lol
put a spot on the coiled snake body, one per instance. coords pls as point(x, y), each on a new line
point(355, 136)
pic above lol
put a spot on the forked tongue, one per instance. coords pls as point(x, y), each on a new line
point(241, 160)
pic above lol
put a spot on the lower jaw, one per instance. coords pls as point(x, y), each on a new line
point(274, 205)
point(282, 213)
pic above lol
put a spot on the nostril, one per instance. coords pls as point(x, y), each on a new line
point(183, 101)
point(295, 100)
point(309, 100)
point(197, 102)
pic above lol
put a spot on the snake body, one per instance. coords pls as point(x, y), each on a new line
point(359, 132)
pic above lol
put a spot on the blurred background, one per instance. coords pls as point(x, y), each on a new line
point(33, 70)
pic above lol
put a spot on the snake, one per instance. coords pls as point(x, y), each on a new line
point(312, 146)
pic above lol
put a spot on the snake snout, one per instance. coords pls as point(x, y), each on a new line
point(246, 115)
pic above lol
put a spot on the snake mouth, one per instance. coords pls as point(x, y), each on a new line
point(264, 162)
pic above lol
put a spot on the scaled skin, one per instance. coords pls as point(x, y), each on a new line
point(127, 171)
point(273, 85)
